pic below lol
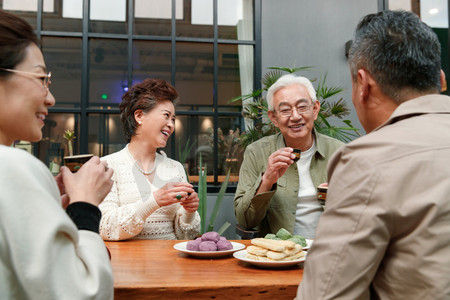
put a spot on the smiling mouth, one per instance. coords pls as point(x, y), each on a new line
point(40, 116)
point(297, 126)
point(167, 134)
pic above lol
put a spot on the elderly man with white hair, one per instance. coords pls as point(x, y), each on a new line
point(275, 190)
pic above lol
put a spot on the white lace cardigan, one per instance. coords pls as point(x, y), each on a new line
point(131, 211)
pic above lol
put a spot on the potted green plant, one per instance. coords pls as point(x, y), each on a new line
point(183, 154)
point(202, 208)
point(256, 110)
point(229, 150)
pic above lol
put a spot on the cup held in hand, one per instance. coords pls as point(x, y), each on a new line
point(322, 194)
point(75, 162)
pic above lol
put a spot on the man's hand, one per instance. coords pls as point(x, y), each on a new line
point(277, 164)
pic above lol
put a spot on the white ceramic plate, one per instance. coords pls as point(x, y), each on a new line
point(182, 247)
point(242, 255)
point(308, 244)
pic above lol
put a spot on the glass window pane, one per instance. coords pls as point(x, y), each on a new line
point(59, 20)
point(235, 74)
point(200, 131)
point(25, 9)
point(53, 145)
point(108, 74)
point(230, 152)
point(108, 16)
point(194, 75)
point(153, 17)
point(235, 19)
point(198, 22)
point(105, 134)
point(194, 136)
point(63, 58)
point(152, 59)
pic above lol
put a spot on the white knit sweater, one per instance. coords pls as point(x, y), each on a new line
point(131, 211)
point(42, 253)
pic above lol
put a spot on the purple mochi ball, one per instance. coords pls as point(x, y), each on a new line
point(211, 236)
point(224, 245)
point(207, 246)
point(193, 245)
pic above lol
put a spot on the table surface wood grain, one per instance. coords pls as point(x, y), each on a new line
point(153, 269)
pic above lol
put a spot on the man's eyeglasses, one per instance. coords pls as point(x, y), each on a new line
point(45, 78)
point(286, 112)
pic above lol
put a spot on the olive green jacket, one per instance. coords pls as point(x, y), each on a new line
point(276, 209)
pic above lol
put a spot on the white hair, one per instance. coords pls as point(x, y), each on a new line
point(287, 80)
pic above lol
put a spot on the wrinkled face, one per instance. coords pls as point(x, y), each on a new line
point(158, 124)
point(294, 114)
point(24, 101)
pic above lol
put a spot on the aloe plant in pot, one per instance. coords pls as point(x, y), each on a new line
point(203, 197)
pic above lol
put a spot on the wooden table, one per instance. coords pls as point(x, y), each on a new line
point(153, 269)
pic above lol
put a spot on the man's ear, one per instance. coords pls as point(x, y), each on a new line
point(272, 117)
point(363, 79)
point(443, 82)
point(316, 109)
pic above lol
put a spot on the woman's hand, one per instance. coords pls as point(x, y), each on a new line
point(65, 200)
point(190, 203)
point(167, 195)
point(91, 183)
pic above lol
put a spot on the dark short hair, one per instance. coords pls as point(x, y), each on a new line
point(15, 36)
point(144, 96)
point(402, 53)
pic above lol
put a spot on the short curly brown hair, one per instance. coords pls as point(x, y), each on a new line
point(144, 96)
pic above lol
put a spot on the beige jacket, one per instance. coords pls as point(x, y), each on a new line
point(276, 209)
point(385, 232)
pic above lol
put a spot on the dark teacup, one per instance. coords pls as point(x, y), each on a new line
point(75, 162)
point(322, 194)
point(297, 153)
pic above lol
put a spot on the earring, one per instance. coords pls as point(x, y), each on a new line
point(139, 122)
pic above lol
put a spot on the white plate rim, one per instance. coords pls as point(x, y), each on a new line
point(241, 255)
point(182, 247)
point(308, 244)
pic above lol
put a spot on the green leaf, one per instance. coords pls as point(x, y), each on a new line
point(219, 199)
point(223, 228)
point(254, 94)
point(293, 70)
point(202, 196)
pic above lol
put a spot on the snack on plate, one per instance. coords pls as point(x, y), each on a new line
point(274, 245)
point(255, 250)
point(274, 250)
point(210, 241)
point(285, 235)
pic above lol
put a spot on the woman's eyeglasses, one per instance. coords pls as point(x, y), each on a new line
point(45, 78)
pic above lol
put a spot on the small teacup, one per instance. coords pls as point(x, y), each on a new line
point(322, 194)
point(75, 162)
point(297, 153)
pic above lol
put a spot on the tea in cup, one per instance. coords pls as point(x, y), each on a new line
point(322, 194)
point(75, 162)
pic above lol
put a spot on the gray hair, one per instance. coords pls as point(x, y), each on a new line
point(287, 80)
point(401, 52)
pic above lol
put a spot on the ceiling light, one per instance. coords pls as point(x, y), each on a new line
point(433, 11)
